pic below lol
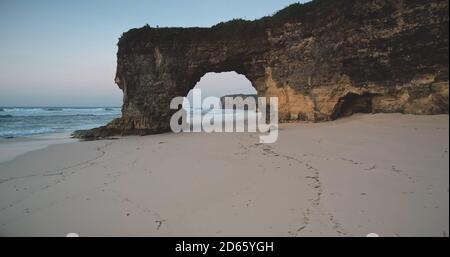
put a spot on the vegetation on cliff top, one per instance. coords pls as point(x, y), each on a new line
point(293, 13)
point(296, 12)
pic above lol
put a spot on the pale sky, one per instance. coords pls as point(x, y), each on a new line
point(63, 53)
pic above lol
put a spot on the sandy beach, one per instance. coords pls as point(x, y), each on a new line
point(385, 173)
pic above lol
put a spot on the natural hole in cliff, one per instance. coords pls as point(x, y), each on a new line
point(221, 85)
point(353, 103)
point(224, 84)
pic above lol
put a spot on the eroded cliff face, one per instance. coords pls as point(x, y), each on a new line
point(324, 60)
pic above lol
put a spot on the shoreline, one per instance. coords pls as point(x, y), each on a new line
point(11, 148)
point(383, 173)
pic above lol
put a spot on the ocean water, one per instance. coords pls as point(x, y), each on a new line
point(194, 116)
point(23, 122)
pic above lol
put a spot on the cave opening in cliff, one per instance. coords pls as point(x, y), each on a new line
point(353, 103)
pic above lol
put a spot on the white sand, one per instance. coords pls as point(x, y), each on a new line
point(384, 174)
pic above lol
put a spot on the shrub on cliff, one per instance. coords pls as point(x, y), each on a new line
point(236, 28)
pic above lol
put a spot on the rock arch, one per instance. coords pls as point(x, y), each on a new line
point(224, 84)
point(311, 56)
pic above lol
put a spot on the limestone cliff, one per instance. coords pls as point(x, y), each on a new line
point(324, 60)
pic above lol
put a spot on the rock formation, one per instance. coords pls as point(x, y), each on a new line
point(324, 59)
point(242, 105)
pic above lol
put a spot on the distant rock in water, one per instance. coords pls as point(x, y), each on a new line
point(53, 109)
point(239, 106)
point(107, 109)
point(6, 116)
point(324, 59)
point(2, 110)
